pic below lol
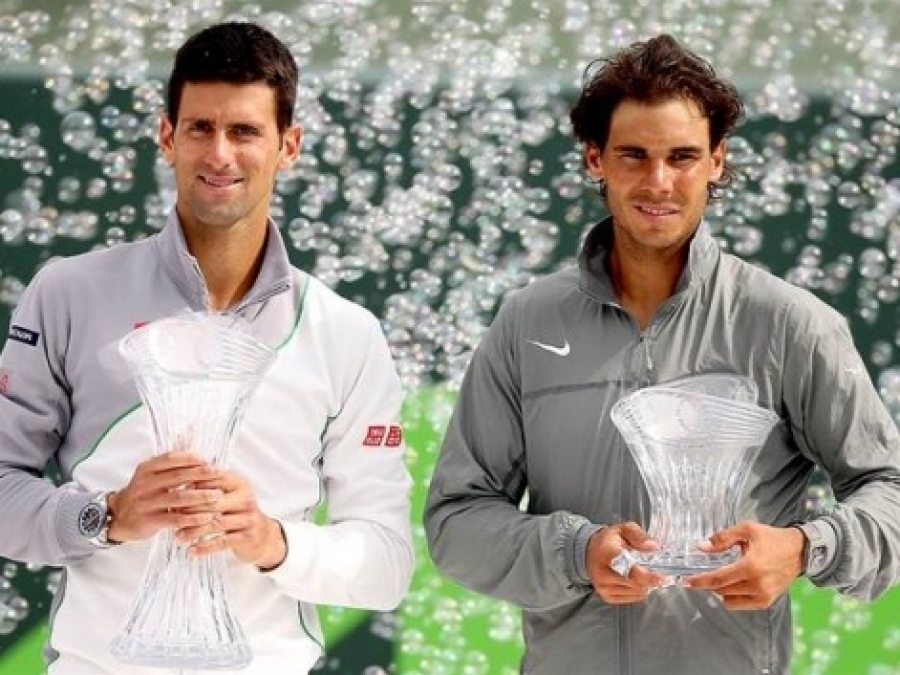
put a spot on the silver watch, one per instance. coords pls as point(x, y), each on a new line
point(815, 549)
point(94, 520)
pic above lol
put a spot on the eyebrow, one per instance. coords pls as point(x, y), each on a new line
point(230, 125)
point(640, 148)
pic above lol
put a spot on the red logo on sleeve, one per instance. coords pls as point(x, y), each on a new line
point(381, 435)
point(4, 381)
point(394, 437)
point(375, 436)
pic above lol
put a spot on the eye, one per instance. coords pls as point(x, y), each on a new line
point(632, 155)
point(245, 131)
point(681, 158)
point(199, 128)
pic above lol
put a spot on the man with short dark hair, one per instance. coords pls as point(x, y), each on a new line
point(309, 434)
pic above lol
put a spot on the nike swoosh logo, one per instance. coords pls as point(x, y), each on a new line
point(559, 351)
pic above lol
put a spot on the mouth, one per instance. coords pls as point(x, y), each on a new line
point(656, 211)
point(219, 182)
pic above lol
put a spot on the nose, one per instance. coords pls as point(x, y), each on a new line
point(659, 175)
point(219, 151)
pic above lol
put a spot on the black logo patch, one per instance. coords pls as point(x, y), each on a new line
point(19, 334)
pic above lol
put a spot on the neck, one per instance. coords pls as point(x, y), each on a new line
point(644, 282)
point(229, 259)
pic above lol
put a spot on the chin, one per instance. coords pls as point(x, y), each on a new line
point(663, 238)
point(217, 219)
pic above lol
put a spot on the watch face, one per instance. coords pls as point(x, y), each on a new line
point(817, 557)
point(91, 520)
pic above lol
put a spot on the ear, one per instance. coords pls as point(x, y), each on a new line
point(290, 147)
point(717, 162)
point(593, 160)
point(166, 138)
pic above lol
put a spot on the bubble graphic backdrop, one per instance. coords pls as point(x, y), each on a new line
point(438, 174)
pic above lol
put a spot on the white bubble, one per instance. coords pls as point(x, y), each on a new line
point(872, 263)
point(78, 130)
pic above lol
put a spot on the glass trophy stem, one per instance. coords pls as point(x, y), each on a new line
point(181, 613)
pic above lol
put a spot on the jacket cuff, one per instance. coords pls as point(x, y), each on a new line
point(297, 558)
point(582, 536)
point(69, 538)
point(287, 550)
point(569, 527)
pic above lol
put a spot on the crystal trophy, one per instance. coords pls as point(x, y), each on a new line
point(195, 374)
point(694, 441)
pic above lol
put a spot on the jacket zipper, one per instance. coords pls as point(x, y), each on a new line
point(645, 341)
point(626, 614)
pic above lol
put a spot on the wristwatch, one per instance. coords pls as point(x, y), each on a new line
point(815, 548)
point(94, 520)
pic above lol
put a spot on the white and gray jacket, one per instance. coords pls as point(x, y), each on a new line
point(307, 437)
point(533, 415)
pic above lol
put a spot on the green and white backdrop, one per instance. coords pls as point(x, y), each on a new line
point(439, 174)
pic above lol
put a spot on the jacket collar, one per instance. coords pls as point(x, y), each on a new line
point(593, 275)
point(275, 274)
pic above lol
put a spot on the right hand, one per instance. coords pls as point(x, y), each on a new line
point(161, 494)
point(606, 544)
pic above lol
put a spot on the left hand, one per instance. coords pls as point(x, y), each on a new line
point(238, 525)
point(770, 561)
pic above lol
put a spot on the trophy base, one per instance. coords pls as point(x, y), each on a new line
point(146, 651)
point(683, 564)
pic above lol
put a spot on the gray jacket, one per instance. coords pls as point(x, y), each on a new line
point(533, 415)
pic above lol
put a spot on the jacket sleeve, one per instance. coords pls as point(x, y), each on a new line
point(39, 518)
point(477, 533)
point(363, 557)
point(839, 420)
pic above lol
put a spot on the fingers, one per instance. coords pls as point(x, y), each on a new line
point(217, 526)
point(725, 577)
point(205, 527)
point(191, 500)
point(251, 536)
point(218, 506)
point(639, 577)
point(612, 557)
point(214, 542)
point(759, 577)
point(234, 522)
point(159, 494)
point(174, 469)
point(633, 586)
point(723, 540)
point(634, 536)
point(624, 595)
point(176, 458)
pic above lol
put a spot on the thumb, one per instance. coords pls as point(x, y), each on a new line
point(724, 540)
point(637, 538)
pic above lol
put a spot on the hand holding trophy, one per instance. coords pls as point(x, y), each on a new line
point(694, 441)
